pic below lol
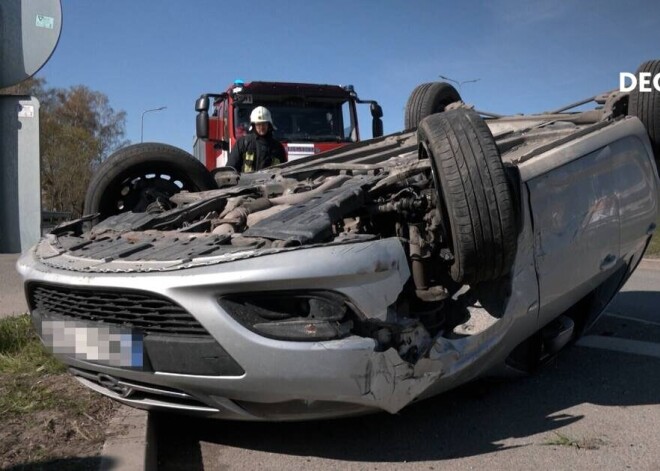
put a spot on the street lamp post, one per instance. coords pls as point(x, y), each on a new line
point(142, 125)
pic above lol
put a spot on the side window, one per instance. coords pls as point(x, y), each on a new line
point(347, 123)
point(225, 118)
point(222, 114)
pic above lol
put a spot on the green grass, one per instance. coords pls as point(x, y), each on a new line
point(564, 440)
point(654, 246)
point(21, 351)
point(25, 367)
point(561, 440)
point(15, 333)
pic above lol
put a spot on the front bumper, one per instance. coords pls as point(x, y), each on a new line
point(282, 380)
point(277, 372)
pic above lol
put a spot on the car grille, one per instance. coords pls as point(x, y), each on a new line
point(143, 311)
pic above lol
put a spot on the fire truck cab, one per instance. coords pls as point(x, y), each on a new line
point(308, 118)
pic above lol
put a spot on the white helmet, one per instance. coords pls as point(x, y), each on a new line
point(261, 115)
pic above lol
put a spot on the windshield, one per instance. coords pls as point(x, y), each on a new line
point(301, 120)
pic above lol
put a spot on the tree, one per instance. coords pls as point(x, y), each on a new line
point(78, 130)
point(31, 86)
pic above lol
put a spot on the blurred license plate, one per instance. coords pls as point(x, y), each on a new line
point(98, 343)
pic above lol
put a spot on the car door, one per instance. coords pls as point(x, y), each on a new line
point(576, 222)
point(638, 198)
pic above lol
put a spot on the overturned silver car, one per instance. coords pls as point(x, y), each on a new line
point(357, 280)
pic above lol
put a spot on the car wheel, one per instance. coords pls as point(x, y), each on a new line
point(427, 99)
point(138, 175)
point(646, 107)
point(475, 197)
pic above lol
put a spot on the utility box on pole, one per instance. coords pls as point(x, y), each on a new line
point(20, 185)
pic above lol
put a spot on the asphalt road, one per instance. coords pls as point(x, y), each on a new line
point(597, 406)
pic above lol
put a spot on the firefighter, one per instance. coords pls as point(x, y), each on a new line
point(258, 149)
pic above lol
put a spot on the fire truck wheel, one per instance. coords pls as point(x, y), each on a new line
point(476, 200)
point(646, 106)
point(143, 174)
point(427, 99)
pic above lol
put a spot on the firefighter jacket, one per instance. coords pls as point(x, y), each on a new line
point(253, 152)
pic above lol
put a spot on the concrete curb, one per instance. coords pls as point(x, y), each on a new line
point(650, 264)
point(130, 444)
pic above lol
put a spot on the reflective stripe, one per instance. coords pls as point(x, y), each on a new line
point(248, 162)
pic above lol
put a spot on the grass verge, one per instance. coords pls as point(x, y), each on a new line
point(47, 420)
point(653, 250)
point(23, 363)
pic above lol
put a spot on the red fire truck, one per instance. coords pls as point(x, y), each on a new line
point(308, 118)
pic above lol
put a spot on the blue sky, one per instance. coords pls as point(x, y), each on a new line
point(530, 56)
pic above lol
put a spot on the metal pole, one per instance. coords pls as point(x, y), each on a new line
point(142, 125)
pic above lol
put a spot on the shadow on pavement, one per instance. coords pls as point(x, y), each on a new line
point(643, 303)
point(465, 422)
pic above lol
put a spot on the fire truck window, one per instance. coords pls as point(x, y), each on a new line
point(282, 122)
point(241, 121)
point(222, 113)
point(317, 124)
point(349, 129)
point(301, 121)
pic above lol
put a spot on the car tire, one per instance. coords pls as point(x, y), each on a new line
point(646, 107)
point(137, 175)
point(427, 99)
point(476, 199)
